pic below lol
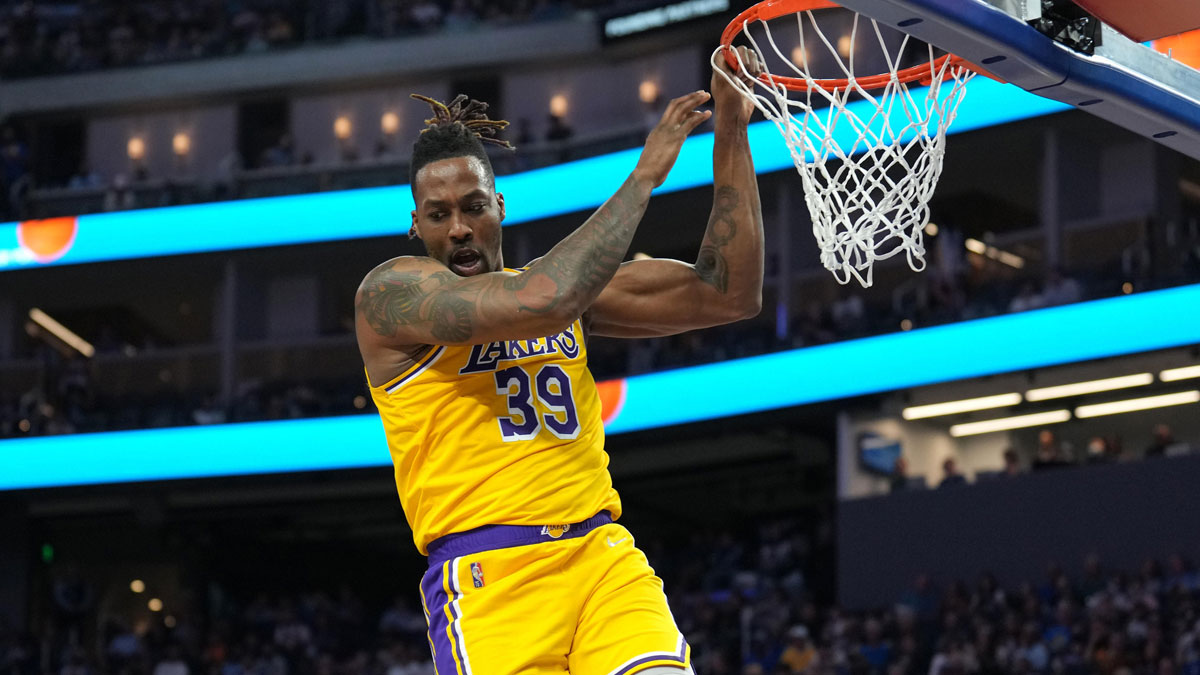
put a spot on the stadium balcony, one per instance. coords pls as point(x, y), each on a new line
point(384, 168)
point(170, 132)
point(307, 364)
point(47, 39)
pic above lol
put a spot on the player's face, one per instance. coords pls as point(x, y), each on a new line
point(458, 215)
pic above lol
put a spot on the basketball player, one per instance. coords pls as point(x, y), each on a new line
point(492, 418)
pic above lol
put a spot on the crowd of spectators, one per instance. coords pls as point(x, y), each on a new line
point(279, 169)
point(74, 406)
point(44, 38)
point(67, 399)
point(1099, 621)
point(716, 580)
point(15, 180)
point(1049, 453)
point(745, 600)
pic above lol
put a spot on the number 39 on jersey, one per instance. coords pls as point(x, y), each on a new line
point(539, 395)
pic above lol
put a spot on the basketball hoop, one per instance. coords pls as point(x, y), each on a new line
point(890, 141)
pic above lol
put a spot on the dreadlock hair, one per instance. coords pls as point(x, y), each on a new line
point(456, 130)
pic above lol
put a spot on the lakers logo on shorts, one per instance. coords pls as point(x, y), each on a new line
point(555, 531)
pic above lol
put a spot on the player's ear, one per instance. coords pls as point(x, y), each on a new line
point(412, 230)
point(500, 201)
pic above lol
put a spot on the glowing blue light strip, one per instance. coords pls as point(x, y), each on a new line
point(193, 452)
point(1003, 344)
point(378, 212)
point(1081, 332)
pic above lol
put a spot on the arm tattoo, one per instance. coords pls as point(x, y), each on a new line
point(712, 268)
point(722, 226)
point(583, 263)
point(522, 292)
point(451, 317)
point(394, 298)
point(390, 299)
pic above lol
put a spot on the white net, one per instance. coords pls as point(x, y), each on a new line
point(869, 159)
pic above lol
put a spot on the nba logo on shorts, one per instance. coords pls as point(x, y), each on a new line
point(477, 575)
point(555, 531)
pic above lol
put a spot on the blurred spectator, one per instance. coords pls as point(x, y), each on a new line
point(85, 179)
point(209, 412)
point(172, 663)
point(899, 478)
point(1163, 439)
point(291, 634)
point(1050, 453)
point(225, 185)
point(119, 196)
point(848, 314)
point(460, 17)
point(426, 15)
point(279, 29)
point(875, 650)
point(385, 151)
point(1032, 651)
point(124, 647)
point(1027, 299)
point(1060, 289)
point(1098, 451)
point(401, 620)
point(524, 133)
point(73, 599)
point(282, 153)
point(1012, 463)
point(14, 168)
point(558, 131)
point(951, 476)
point(799, 656)
point(76, 664)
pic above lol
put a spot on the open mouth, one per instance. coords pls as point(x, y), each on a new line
point(466, 262)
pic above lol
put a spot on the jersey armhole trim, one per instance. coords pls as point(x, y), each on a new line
point(416, 369)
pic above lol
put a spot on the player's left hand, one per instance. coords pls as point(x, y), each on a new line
point(726, 98)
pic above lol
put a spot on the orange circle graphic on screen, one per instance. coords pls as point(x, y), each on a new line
point(49, 239)
point(612, 398)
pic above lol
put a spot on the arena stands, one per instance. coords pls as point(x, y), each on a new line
point(303, 571)
point(744, 600)
point(47, 38)
point(67, 401)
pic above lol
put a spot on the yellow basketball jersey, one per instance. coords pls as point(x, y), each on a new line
point(504, 433)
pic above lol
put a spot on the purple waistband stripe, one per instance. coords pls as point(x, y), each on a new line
point(493, 537)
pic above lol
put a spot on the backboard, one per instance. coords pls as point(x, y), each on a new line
point(1103, 72)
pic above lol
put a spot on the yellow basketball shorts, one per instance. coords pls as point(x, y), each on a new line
point(516, 600)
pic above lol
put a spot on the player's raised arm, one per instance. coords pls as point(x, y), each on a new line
point(458, 295)
point(663, 297)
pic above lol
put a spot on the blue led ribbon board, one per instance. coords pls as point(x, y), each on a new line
point(1048, 337)
point(378, 212)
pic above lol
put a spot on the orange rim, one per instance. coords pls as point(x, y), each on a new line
point(773, 9)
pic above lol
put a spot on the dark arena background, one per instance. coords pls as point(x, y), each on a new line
point(990, 466)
